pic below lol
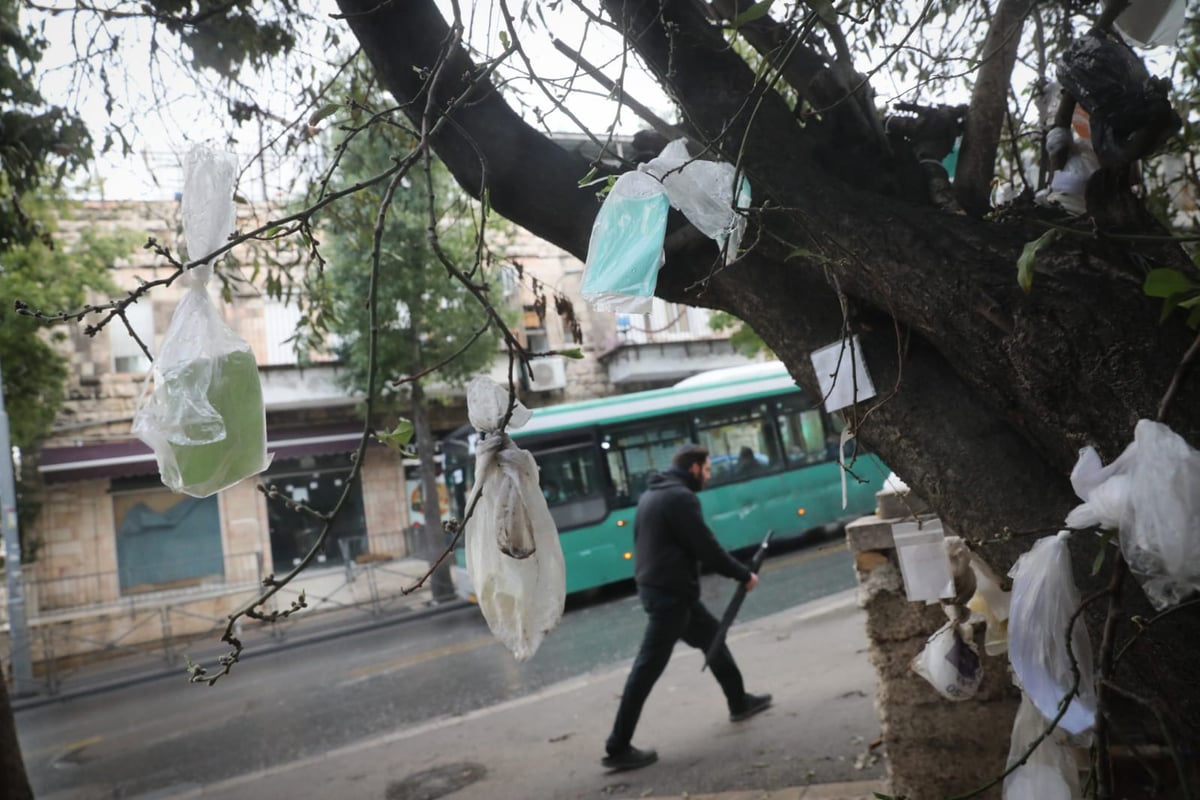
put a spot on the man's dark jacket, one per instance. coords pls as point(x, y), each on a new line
point(671, 540)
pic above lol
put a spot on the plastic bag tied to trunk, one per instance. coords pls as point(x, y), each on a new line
point(1043, 599)
point(204, 416)
point(1049, 773)
point(514, 556)
point(1151, 495)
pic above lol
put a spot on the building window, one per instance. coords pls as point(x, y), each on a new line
point(127, 354)
point(317, 482)
point(165, 540)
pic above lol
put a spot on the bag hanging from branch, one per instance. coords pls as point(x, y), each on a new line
point(626, 247)
point(514, 556)
point(204, 417)
point(1043, 599)
point(703, 192)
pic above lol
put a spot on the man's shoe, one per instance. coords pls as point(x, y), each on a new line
point(629, 759)
point(753, 704)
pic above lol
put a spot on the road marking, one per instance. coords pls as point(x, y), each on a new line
point(374, 670)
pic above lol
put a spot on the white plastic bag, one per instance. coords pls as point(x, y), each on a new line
point(1104, 490)
point(950, 662)
point(1050, 772)
point(1151, 23)
point(703, 192)
point(204, 418)
point(1160, 536)
point(514, 557)
point(1043, 599)
point(625, 250)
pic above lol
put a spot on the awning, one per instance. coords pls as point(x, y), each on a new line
point(131, 457)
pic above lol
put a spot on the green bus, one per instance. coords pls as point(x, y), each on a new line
point(773, 452)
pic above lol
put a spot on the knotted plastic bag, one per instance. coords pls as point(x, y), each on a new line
point(625, 249)
point(1043, 599)
point(1049, 773)
point(1103, 489)
point(204, 416)
point(1160, 536)
point(703, 192)
point(950, 662)
point(514, 557)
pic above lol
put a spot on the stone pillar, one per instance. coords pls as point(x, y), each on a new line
point(936, 748)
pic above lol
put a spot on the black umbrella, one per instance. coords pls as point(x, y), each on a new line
point(736, 603)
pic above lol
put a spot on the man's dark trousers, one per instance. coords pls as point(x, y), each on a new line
point(671, 619)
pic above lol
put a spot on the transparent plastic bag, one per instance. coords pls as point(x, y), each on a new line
point(950, 662)
point(202, 410)
point(514, 557)
point(1160, 535)
point(1043, 599)
point(1050, 772)
point(703, 192)
point(1104, 490)
point(625, 249)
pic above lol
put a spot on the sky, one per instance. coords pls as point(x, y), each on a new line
point(170, 108)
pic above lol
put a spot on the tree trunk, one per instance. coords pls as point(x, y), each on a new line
point(14, 784)
point(433, 536)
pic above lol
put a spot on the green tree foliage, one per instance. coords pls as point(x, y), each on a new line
point(424, 316)
point(741, 336)
point(39, 143)
point(45, 275)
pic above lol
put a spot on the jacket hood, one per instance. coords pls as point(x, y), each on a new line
point(672, 477)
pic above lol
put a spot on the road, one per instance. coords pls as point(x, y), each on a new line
point(163, 736)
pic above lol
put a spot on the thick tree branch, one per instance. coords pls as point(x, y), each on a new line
point(989, 104)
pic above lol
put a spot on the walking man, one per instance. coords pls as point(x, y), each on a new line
point(671, 542)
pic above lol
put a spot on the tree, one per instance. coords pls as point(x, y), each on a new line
point(988, 386)
point(429, 322)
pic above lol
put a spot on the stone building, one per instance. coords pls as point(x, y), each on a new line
point(110, 536)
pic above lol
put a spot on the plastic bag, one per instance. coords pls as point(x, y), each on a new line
point(204, 417)
point(1160, 536)
point(950, 662)
point(1043, 599)
point(625, 249)
point(703, 192)
point(1104, 490)
point(1130, 112)
point(1050, 772)
point(514, 557)
point(991, 603)
point(1151, 23)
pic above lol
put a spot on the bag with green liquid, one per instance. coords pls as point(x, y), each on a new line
point(204, 417)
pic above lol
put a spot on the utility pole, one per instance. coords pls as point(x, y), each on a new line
point(18, 626)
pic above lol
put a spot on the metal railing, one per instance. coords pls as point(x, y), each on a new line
point(104, 632)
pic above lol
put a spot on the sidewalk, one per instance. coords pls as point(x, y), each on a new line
point(812, 744)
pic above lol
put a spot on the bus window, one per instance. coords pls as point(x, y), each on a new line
point(636, 453)
point(570, 479)
point(804, 433)
point(741, 442)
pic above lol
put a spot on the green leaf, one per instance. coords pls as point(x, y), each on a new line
point(397, 438)
point(1028, 259)
point(323, 112)
point(1166, 282)
point(1191, 302)
point(1193, 320)
point(504, 39)
point(573, 353)
point(1099, 562)
point(586, 179)
point(754, 12)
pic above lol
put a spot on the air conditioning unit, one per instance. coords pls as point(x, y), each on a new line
point(548, 373)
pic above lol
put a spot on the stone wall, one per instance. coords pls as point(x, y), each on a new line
point(936, 748)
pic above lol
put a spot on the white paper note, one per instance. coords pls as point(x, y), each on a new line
point(842, 374)
point(923, 560)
